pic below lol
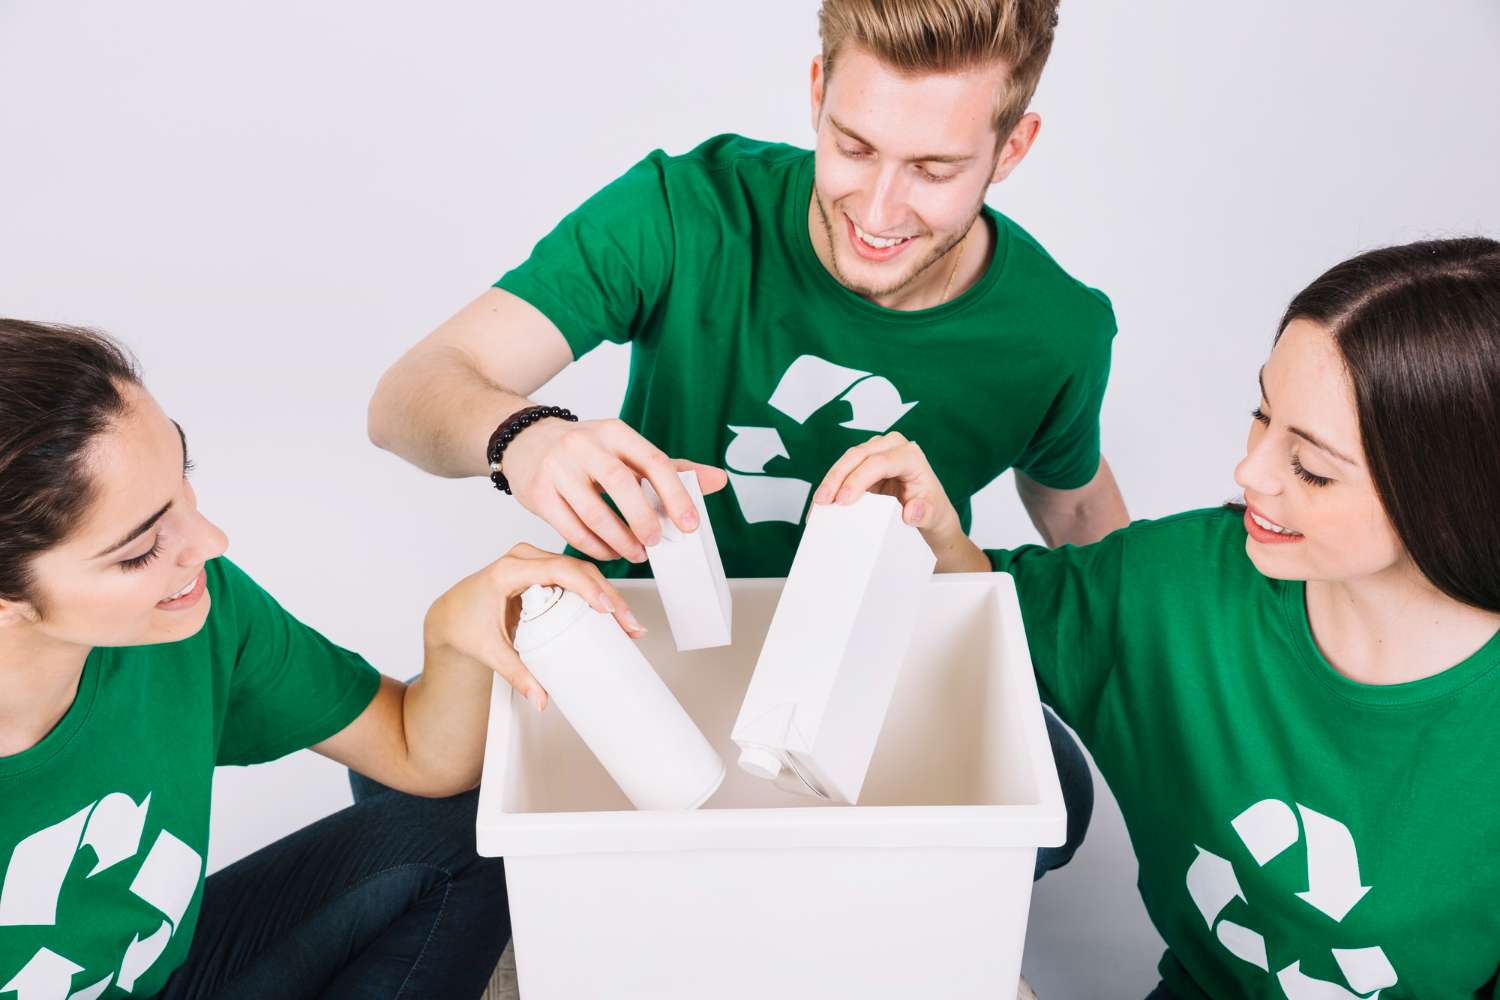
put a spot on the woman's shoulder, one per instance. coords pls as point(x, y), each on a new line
point(1196, 546)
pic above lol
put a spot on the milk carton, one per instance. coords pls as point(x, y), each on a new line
point(690, 576)
point(823, 682)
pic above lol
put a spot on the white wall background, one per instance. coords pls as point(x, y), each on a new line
point(269, 201)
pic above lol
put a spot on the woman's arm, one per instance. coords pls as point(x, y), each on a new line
point(427, 738)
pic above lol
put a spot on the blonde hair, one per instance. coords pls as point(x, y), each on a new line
point(946, 36)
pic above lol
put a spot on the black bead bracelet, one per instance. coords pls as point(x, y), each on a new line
point(507, 431)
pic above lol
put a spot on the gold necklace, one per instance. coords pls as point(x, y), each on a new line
point(953, 273)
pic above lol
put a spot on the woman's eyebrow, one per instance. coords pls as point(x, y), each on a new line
point(145, 525)
point(182, 434)
point(139, 530)
point(1305, 435)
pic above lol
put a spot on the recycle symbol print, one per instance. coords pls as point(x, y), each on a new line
point(808, 384)
point(167, 880)
point(1267, 829)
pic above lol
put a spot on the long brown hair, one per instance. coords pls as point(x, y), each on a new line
point(59, 388)
point(1419, 330)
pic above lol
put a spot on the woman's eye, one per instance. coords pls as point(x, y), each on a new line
point(144, 558)
point(1311, 478)
point(1260, 416)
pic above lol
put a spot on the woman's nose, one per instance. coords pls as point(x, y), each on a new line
point(1256, 472)
point(206, 542)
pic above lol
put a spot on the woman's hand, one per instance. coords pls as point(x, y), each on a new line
point(477, 616)
point(893, 466)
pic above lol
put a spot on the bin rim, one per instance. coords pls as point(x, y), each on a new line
point(1041, 823)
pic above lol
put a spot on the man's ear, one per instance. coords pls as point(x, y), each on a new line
point(819, 81)
point(1016, 145)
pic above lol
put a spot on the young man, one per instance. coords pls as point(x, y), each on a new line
point(783, 305)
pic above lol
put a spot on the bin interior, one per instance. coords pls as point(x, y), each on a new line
point(953, 735)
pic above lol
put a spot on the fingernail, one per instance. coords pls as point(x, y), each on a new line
point(535, 697)
point(821, 496)
point(844, 496)
point(631, 620)
point(917, 513)
point(690, 522)
point(605, 606)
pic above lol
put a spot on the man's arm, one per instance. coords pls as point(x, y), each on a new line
point(1074, 517)
point(437, 406)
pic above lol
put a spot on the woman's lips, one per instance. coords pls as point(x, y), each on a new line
point(192, 597)
point(1265, 535)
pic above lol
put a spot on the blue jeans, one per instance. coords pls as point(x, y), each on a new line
point(385, 899)
point(1077, 792)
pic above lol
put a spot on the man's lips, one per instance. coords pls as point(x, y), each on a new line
point(873, 253)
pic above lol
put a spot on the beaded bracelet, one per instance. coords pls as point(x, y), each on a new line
point(507, 431)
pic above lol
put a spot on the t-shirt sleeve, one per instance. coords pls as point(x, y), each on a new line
point(289, 687)
point(1064, 453)
point(599, 274)
point(1070, 603)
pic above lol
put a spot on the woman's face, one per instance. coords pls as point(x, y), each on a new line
point(131, 573)
point(1313, 510)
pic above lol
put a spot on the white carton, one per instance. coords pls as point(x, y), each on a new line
point(690, 575)
point(824, 679)
point(922, 890)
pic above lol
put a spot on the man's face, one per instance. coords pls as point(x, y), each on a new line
point(902, 165)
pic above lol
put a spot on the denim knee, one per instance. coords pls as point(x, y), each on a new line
point(1077, 791)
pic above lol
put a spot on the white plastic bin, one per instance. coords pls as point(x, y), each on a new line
point(921, 890)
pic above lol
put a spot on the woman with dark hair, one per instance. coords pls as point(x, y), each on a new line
point(1295, 700)
point(134, 659)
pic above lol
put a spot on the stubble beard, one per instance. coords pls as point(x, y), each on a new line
point(870, 292)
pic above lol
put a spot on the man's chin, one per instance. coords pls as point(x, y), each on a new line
point(873, 280)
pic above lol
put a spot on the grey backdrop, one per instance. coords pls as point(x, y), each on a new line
point(269, 201)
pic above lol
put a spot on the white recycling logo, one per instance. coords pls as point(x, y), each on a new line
point(808, 384)
point(1334, 887)
point(167, 879)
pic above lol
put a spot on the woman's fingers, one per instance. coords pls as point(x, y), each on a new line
point(519, 678)
point(547, 569)
point(877, 468)
point(833, 482)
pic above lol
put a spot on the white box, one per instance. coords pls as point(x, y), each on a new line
point(690, 575)
point(824, 679)
point(921, 891)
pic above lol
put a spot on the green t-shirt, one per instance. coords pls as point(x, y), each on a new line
point(104, 830)
point(747, 354)
point(1300, 835)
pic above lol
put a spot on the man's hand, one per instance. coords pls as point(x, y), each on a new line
point(561, 471)
point(893, 466)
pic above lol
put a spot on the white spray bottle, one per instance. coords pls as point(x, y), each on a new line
point(615, 701)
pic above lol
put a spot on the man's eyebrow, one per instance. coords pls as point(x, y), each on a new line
point(934, 158)
point(1304, 435)
point(147, 524)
